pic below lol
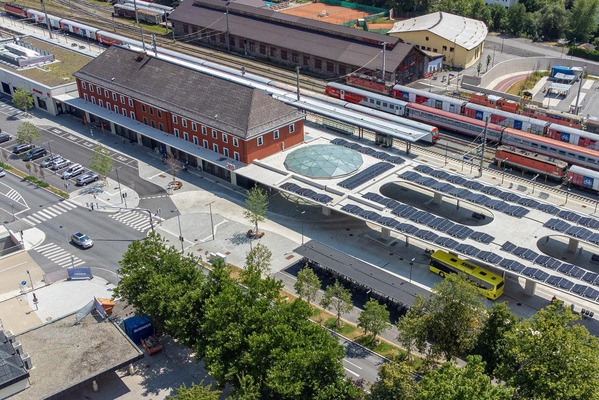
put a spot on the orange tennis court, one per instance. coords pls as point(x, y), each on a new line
point(325, 13)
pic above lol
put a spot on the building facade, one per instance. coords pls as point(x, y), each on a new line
point(318, 48)
point(458, 39)
point(237, 123)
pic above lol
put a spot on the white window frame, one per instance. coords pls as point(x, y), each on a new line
point(122, 99)
point(93, 100)
point(130, 102)
point(236, 156)
point(204, 130)
point(108, 106)
point(206, 144)
point(215, 147)
point(235, 142)
point(176, 132)
point(85, 97)
point(132, 115)
point(116, 109)
point(101, 103)
point(186, 136)
point(83, 85)
point(275, 134)
point(124, 112)
point(91, 87)
point(184, 122)
point(259, 141)
point(99, 90)
point(194, 127)
point(292, 128)
point(225, 138)
point(195, 140)
point(106, 94)
point(114, 96)
point(225, 152)
point(214, 134)
point(175, 119)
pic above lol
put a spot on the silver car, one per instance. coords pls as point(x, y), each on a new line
point(82, 240)
point(48, 161)
point(86, 178)
point(60, 164)
point(72, 171)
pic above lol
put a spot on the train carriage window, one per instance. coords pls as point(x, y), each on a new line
point(378, 102)
point(385, 104)
point(591, 160)
point(543, 147)
point(562, 153)
point(535, 145)
point(581, 158)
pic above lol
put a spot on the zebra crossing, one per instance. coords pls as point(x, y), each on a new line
point(136, 220)
point(49, 212)
point(58, 255)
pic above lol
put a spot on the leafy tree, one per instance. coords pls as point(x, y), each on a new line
point(27, 133)
point(101, 161)
point(22, 99)
point(452, 319)
point(459, 7)
point(551, 21)
point(395, 381)
point(259, 260)
point(374, 319)
point(516, 19)
point(480, 11)
point(451, 382)
point(337, 298)
point(196, 392)
point(256, 205)
point(489, 344)
point(413, 327)
point(158, 281)
point(498, 17)
point(583, 20)
point(28, 167)
point(307, 284)
point(532, 5)
point(479, 67)
point(551, 357)
point(488, 61)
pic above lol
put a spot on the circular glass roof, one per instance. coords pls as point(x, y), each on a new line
point(323, 161)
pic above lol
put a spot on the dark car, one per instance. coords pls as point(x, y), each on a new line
point(34, 154)
point(22, 148)
point(5, 137)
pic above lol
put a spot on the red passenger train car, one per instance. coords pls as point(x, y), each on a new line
point(15, 9)
point(530, 161)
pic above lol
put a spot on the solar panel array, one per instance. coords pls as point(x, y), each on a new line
point(589, 222)
point(461, 232)
point(425, 218)
point(572, 230)
point(381, 155)
point(305, 192)
point(364, 176)
point(465, 194)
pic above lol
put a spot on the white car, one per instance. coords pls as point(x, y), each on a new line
point(60, 164)
point(72, 171)
point(2, 172)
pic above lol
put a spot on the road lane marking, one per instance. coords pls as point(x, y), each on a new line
point(351, 372)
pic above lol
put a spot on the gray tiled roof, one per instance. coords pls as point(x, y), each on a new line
point(11, 366)
point(226, 106)
point(320, 39)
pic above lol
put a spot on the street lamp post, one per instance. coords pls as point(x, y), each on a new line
point(534, 181)
point(119, 183)
point(30, 280)
point(411, 265)
point(180, 231)
point(211, 219)
point(302, 220)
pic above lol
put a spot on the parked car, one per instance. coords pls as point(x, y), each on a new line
point(22, 148)
point(86, 178)
point(82, 240)
point(2, 172)
point(60, 164)
point(5, 137)
point(48, 161)
point(34, 154)
point(72, 171)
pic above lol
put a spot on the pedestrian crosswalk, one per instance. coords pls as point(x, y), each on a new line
point(136, 220)
point(58, 255)
point(49, 212)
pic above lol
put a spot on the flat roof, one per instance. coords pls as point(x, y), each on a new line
point(65, 354)
point(58, 73)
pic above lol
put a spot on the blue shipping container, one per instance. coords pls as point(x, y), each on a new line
point(138, 327)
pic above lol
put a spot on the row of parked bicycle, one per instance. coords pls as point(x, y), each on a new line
point(55, 162)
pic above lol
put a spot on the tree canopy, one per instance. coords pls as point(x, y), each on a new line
point(374, 319)
point(22, 99)
point(101, 161)
point(338, 299)
point(28, 133)
point(307, 284)
point(256, 205)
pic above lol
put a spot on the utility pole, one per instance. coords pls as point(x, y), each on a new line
point(135, 7)
point(154, 44)
point(482, 155)
point(584, 70)
point(46, 16)
point(297, 81)
point(384, 61)
point(227, 17)
point(143, 42)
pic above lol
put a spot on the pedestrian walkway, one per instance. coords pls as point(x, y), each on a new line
point(58, 255)
point(50, 212)
point(136, 220)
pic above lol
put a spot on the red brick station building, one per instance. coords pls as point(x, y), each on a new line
point(205, 121)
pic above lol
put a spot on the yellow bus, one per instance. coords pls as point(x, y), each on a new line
point(489, 284)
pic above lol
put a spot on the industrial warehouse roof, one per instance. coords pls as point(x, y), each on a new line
point(465, 32)
point(223, 105)
point(345, 45)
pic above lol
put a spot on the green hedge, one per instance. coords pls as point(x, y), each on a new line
point(582, 53)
